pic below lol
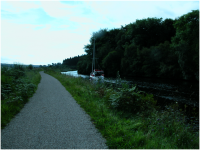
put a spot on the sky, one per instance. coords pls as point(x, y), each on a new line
point(46, 32)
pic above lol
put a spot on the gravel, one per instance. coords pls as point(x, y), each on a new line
point(51, 120)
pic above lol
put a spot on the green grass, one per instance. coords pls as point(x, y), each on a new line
point(18, 84)
point(128, 130)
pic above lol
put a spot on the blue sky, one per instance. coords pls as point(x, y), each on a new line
point(46, 32)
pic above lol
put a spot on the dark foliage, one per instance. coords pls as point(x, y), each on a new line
point(150, 47)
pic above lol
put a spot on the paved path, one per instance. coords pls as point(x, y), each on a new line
point(51, 120)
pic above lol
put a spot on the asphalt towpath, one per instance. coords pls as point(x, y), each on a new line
point(51, 120)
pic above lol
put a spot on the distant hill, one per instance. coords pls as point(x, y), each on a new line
point(4, 64)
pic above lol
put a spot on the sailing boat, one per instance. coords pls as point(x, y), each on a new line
point(96, 74)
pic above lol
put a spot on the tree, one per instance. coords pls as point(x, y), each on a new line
point(186, 44)
point(148, 47)
point(84, 65)
point(130, 62)
point(147, 32)
point(168, 30)
point(111, 63)
point(30, 66)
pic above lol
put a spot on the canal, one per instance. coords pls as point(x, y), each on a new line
point(166, 92)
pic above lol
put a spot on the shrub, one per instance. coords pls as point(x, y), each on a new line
point(17, 86)
point(30, 67)
point(131, 100)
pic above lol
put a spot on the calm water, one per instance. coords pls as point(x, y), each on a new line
point(75, 74)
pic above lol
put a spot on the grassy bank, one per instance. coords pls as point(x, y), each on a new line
point(18, 84)
point(128, 118)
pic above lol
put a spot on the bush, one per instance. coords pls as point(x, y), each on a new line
point(30, 67)
point(131, 100)
point(17, 86)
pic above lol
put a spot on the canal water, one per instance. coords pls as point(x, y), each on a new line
point(166, 92)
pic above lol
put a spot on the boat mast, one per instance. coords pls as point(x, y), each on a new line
point(93, 56)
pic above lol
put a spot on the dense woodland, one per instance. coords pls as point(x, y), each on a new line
point(150, 47)
point(72, 62)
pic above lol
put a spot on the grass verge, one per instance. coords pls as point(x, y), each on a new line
point(18, 84)
point(127, 130)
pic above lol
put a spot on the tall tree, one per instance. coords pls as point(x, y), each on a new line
point(186, 44)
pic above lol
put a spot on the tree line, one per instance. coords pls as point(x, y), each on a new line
point(72, 62)
point(150, 47)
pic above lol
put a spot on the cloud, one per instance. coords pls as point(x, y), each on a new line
point(57, 9)
point(57, 14)
point(39, 27)
point(54, 30)
point(125, 12)
point(7, 15)
point(71, 2)
point(67, 9)
point(165, 12)
point(5, 59)
point(24, 13)
point(43, 17)
point(21, 39)
point(81, 19)
point(31, 16)
point(86, 11)
point(175, 9)
point(31, 55)
point(18, 7)
point(120, 12)
point(67, 24)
